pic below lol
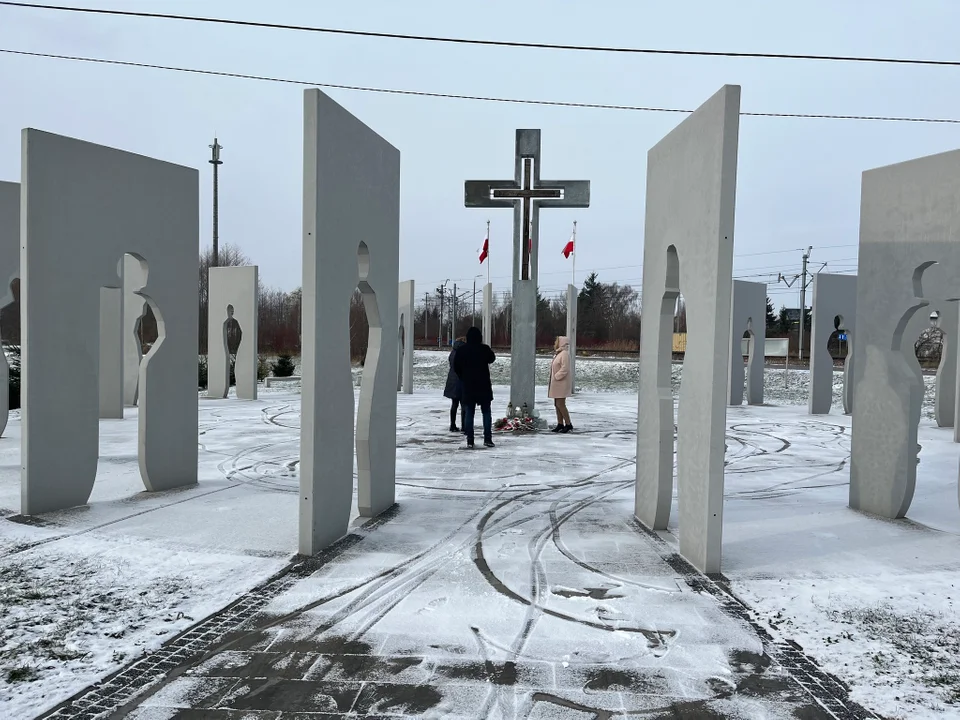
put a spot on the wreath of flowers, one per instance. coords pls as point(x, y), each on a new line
point(507, 424)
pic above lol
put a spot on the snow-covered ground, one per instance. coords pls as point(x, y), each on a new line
point(84, 591)
point(87, 589)
point(875, 601)
point(781, 387)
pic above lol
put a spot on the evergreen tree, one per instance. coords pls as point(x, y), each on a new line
point(590, 311)
point(772, 319)
point(284, 366)
point(546, 321)
point(782, 321)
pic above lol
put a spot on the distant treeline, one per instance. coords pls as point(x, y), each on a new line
point(608, 319)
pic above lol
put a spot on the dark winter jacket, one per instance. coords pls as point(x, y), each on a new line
point(472, 363)
point(452, 388)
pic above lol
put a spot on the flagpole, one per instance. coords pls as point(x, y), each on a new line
point(488, 252)
point(574, 252)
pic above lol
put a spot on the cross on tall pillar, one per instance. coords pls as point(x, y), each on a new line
point(526, 194)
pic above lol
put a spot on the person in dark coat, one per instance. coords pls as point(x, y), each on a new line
point(452, 389)
point(472, 363)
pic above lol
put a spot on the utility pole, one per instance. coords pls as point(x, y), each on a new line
point(802, 277)
point(440, 328)
point(803, 302)
point(426, 317)
point(442, 291)
point(216, 162)
point(453, 315)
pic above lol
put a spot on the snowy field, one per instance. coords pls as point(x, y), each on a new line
point(781, 387)
point(84, 591)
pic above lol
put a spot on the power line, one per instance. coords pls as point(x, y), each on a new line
point(491, 43)
point(775, 252)
point(481, 98)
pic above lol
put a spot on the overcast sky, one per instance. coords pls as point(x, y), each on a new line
point(798, 184)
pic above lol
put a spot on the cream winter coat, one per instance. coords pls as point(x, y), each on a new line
point(561, 382)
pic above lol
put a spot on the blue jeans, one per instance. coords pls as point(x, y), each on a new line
point(471, 409)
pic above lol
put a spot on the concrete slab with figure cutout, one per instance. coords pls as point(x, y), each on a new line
point(351, 240)
point(233, 312)
point(83, 207)
point(111, 315)
point(688, 248)
point(748, 314)
point(834, 310)
point(909, 266)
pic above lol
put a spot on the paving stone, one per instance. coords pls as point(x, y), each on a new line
point(307, 670)
point(301, 696)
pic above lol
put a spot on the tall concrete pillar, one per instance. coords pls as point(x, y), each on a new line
point(111, 352)
point(945, 401)
point(9, 271)
point(406, 302)
point(909, 264)
point(488, 313)
point(748, 312)
point(572, 297)
point(955, 327)
point(234, 295)
point(351, 240)
point(833, 296)
point(688, 244)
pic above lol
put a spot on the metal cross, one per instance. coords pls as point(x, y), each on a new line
point(526, 193)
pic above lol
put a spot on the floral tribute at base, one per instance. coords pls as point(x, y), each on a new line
point(516, 424)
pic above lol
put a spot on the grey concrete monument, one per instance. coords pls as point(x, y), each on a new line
point(572, 298)
point(909, 263)
point(111, 367)
point(834, 301)
point(945, 399)
point(351, 239)
point(83, 207)
point(234, 295)
point(9, 271)
point(134, 310)
point(748, 314)
point(406, 303)
point(487, 312)
point(526, 194)
point(111, 352)
point(688, 247)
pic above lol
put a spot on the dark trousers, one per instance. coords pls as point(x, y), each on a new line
point(454, 406)
point(471, 409)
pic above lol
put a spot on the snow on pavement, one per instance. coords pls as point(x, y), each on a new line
point(872, 600)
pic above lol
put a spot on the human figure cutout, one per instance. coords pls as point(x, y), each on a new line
point(229, 325)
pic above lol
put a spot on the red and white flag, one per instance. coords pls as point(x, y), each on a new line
point(568, 248)
point(486, 250)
